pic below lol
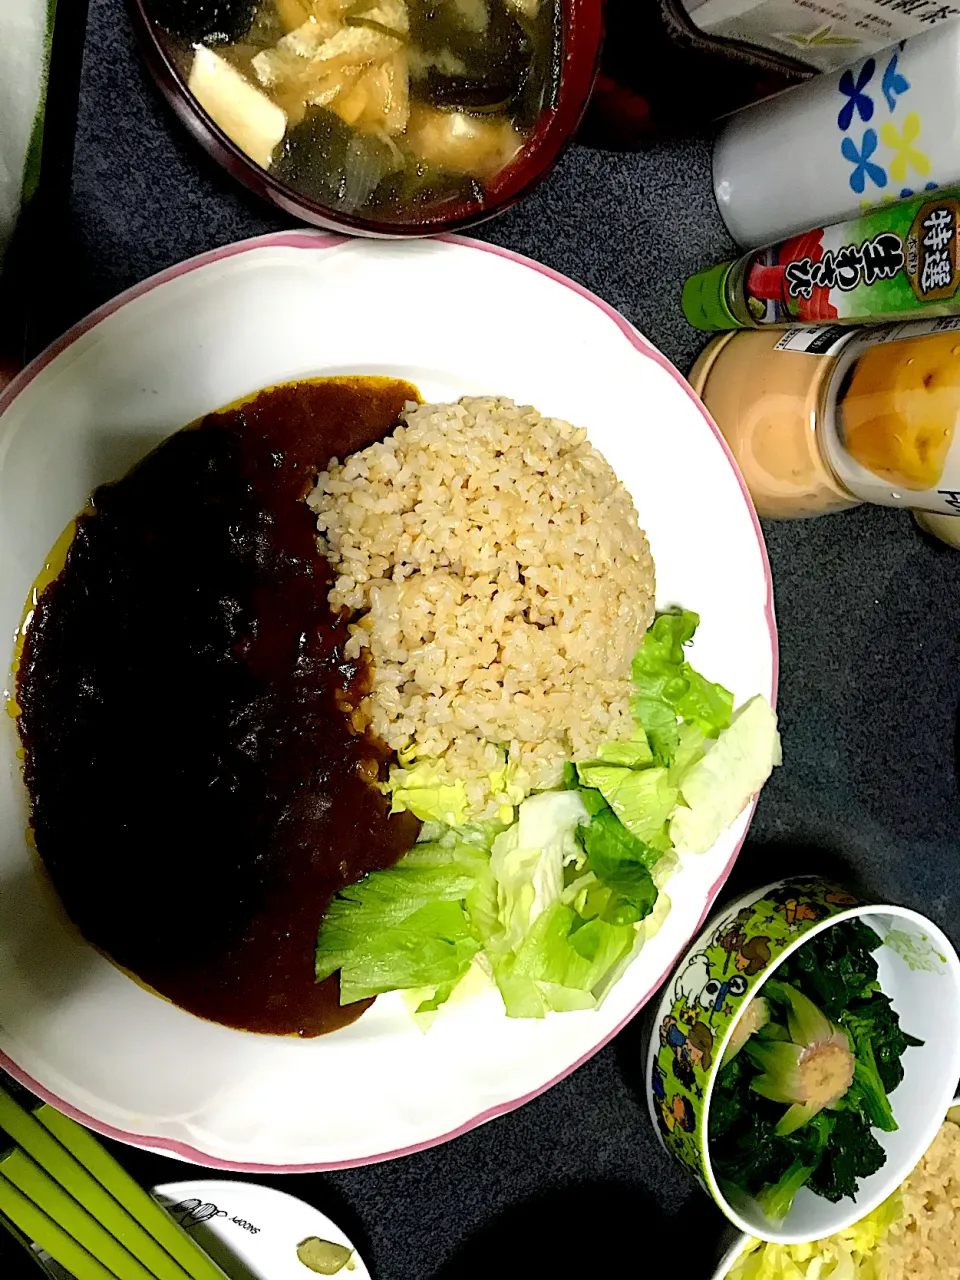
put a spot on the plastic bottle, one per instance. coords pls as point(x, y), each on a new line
point(895, 262)
point(796, 160)
point(821, 420)
point(824, 36)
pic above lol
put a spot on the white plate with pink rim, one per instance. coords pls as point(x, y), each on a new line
point(455, 317)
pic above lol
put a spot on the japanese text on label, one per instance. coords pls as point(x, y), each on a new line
point(844, 268)
point(939, 230)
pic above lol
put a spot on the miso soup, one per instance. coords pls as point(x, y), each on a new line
point(396, 110)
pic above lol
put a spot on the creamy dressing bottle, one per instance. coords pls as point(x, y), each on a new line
point(822, 419)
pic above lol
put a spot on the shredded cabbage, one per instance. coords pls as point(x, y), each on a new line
point(853, 1254)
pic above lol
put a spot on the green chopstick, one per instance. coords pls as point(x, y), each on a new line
point(17, 1236)
point(49, 1235)
point(27, 1177)
point(37, 1141)
point(99, 1162)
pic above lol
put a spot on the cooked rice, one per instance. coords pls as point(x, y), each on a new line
point(925, 1243)
point(501, 583)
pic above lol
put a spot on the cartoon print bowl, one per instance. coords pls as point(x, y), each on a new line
point(728, 964)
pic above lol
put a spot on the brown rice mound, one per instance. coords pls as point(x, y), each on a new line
point(924, 1244)
point(500, 580)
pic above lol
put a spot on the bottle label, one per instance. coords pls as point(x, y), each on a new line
point(897, 260)
point(890, 417)
point(815, 341)
point(826, 34)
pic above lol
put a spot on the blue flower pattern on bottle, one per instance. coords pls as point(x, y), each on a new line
point(907, 192)
point(857, 101)
point(863, 166)
point(852, 86)
point(893, 84)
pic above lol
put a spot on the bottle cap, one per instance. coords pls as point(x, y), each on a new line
point(704, 300)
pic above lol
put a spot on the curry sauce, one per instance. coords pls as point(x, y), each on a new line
point(199, 791)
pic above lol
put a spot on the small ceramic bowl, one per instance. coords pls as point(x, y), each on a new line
point(734, 1243)
point(728, 965)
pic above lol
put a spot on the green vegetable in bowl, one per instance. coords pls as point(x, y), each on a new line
point(334, 164)
point(811, 1067)
point(754, 1018)
point(472, 55)
point(213, 21)
point(828, 1048)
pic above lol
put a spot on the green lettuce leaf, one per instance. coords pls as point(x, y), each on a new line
point(642, 933)
point(428, 793)
point(577, 954)
point(705, 704)
point(528, 858)
point(480, 835)
point(433, 946)
point(593, 801)
point(635, 753)
point(403, 927)
point(668, 687)
point(641, 798)
point(623, 864)
point(662, 728)
point(542, 952)
point(717, 787)
point(559, 963)
point(690, 747)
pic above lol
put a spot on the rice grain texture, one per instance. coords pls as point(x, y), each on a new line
point(499, 578)
point(925, 1243)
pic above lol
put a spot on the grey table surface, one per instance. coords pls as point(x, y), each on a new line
point(869, 646)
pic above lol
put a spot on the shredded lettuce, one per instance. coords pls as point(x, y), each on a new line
point(853, 1254)
point(428, 793)
point(556, 896)
point(719, 785)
